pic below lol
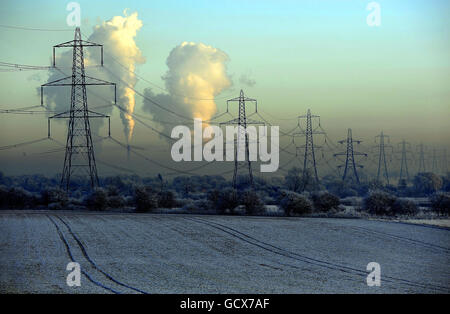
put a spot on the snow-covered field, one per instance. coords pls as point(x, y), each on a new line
point(432, 222)
point(157, 253)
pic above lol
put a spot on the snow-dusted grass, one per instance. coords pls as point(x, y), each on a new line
point(160, 253)
point(433, 222)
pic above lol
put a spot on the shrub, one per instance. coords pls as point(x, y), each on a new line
point(293, 180)
point(97, 200)
point(427, 183)
point(17, 198)
point(251, 202)
point(213, 195)
point(446, 182)
point(379, 203)
point(404, 207)
point(54, 195)
point(351, 201)
point(145, 199)
point(344, 188)
point(190, 206)
point(3, 194)
point(112, 190)
point(166, 199)
point(55, 206)
point(440, 202)
point(197, 206)
point(223, 200)
point(116, 201)
point(294, 203)
point(324, 201)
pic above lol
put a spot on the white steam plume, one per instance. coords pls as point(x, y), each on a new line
point(118, 37)
point(197, 73)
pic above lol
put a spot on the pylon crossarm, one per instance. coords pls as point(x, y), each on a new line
point(250, 121)
point(96, 82)
point(65, 44)
point(73, 43)
point(101, 82)
point(97, 114)
point(89, 116)
point(241, 98)
point(234, 121)
point(306, 116)
point(53, 83)
point(58, 115)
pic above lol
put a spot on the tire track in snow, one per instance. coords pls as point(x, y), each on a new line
point(305, 259)
point(441, 249)
point(173, 225)
point(187, 229)
point(94, 265)
point(89, 259)
point(69, 253)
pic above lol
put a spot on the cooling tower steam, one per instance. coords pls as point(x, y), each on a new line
point(197, 73)
point(121, 56)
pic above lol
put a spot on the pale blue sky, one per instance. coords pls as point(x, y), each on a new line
point(302, 54)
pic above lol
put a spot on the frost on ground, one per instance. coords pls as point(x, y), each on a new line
point(433, 222)
point(160, 253)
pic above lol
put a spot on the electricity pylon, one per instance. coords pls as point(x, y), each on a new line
point(421, 159)
point(350, 153)
point(79, 156)
point(434, 164)
point(382, 163)
point(309, 157)
point(242, 141)
point(444, 162)
point(404, 173)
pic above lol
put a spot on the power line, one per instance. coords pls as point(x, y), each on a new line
point(128, 148)
point(147, 98)
point(23, 28)
point(23, 66)
point(162, 88)
point(155, 85)
point(23, 144)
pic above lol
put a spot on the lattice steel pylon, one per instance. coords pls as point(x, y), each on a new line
point(309, 156)
point(350, 153)
point(434, 163)
point(444, 162)
point(382, 162)
point(422, 167)
point(404, 173)
point(79, 154)
point(242, 135)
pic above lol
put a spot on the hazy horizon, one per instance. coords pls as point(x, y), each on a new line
point(289, 55)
